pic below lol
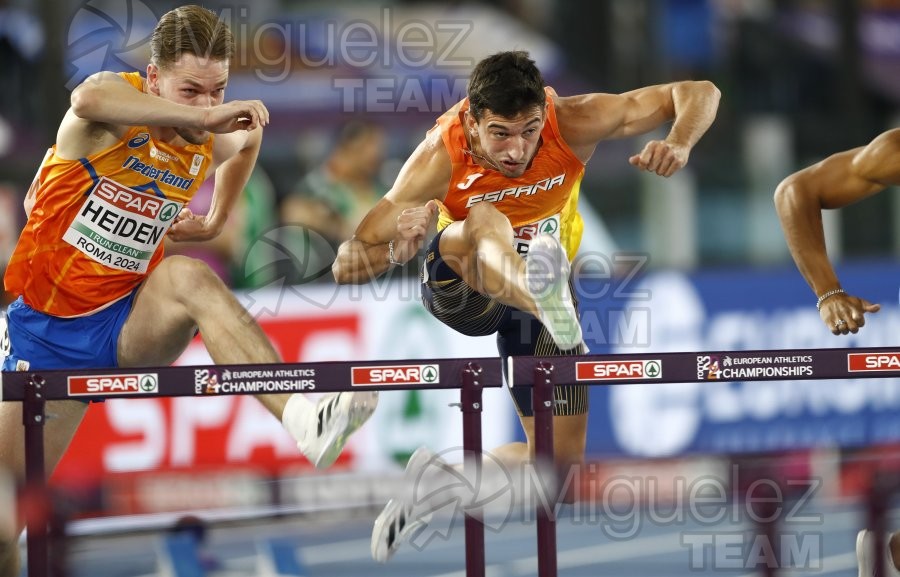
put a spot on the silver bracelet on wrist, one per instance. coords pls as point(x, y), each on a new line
point(828, 295)
point(391, 254)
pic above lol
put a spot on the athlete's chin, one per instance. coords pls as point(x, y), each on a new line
point(513, 170)
point(193, 136)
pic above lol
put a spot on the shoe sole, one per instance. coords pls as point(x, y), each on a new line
point(362, 405)
point(551, 294)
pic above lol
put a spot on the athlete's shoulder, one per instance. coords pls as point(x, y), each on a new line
point(133, 78)
point(577, 106)
point(451, 119)
point(433, 149)
point(97, 79)
point(426, 173)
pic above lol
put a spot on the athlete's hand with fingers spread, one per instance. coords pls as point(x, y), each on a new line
point(662, 157)
point(843, 313)
point(235, 115)
point(190, 227)
point(412, 226)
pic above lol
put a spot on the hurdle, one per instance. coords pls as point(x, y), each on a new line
point(35, 388)
point(471, 376)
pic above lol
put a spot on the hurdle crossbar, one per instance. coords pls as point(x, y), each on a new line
point(725, 366)
point(35, 388)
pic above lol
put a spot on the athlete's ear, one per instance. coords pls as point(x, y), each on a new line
point(153, 78)
point(471, 123)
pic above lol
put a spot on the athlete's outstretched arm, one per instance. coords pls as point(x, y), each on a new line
point(107, 98)
point(404, 216)
point(235, 154)
point(587, 119)
point(835, 182)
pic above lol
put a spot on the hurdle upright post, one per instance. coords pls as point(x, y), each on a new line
point(542, 401)
point(36, 498)
point(471, 407)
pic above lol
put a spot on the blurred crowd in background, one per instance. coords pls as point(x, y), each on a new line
point(353, 86)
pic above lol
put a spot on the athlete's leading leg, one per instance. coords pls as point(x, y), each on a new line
point(182, 294)
point(480, 250)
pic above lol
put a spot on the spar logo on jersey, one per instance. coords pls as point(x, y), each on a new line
point(139, 140)
point(395, 375)
point(618, 370)
point(873, 362)
point(113, 385)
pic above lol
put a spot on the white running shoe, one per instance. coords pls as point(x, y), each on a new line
point(335, 417)
point(547, 279)
point(400, 520)
point(864, 553)
point(864, 546)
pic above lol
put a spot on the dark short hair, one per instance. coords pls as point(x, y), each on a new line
point(506, 83)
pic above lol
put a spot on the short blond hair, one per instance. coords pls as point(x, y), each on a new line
point(192, 30)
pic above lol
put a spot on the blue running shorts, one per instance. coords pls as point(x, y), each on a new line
point(48, 342)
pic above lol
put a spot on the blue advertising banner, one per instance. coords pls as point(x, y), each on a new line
point(734, 310)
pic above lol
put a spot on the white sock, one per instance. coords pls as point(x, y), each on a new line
point(297, 414)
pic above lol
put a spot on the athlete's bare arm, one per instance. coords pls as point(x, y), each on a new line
point(234, 156)
point(105, 103)
point(837, 181)
point(587, 119)
point(403, 215)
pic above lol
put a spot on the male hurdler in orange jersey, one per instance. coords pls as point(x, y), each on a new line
point(93, 287)
point(501, 170)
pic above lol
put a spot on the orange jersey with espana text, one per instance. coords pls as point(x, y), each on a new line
point(543, 200)
point(98, 223)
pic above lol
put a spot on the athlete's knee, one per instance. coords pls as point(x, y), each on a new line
point(485, 220)
point(191, 277)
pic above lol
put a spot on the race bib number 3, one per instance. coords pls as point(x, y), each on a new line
point(121, 228)
point(523, 235)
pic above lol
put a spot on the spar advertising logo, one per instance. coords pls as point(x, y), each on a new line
point(618, 370)
point(873, 362)
point(395, 375)
point(106, 385)
point(121, 228)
